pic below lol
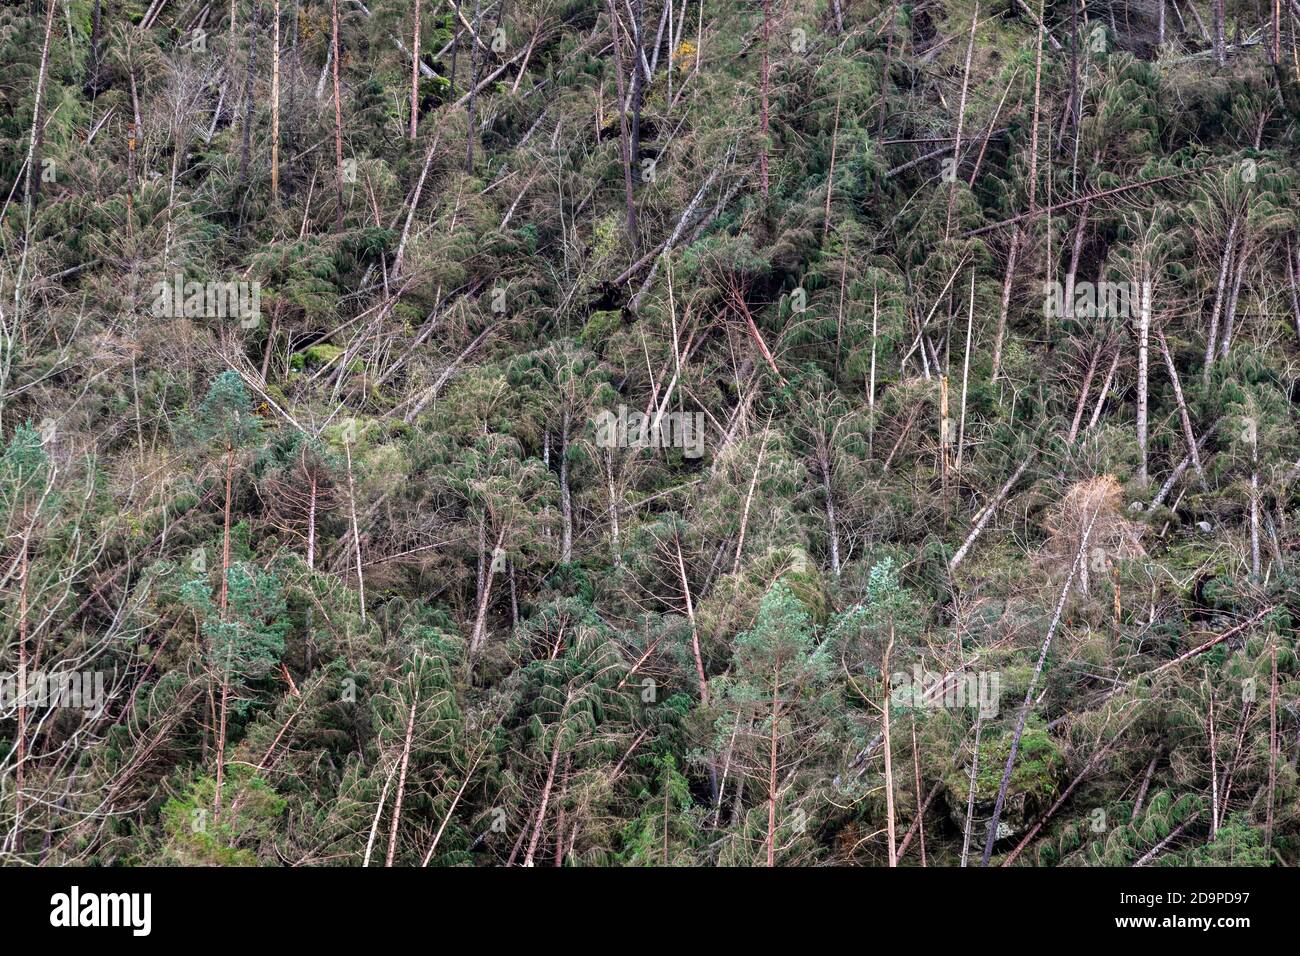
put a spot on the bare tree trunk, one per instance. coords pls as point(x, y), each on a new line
point(21, 729)
point(1083, 395)
point(33, 183)
point(871, 375)
point(1254, 501)
point(1230, 315)
point(311, 527)
point(1033, 684)
point(826, 215)
point(275, 108)
point(749, 500)
point(469, 775)
point(401, 783)
point(1273, 747)
point(356, 534)
point(246, 133)
point(638, 81)
point(961, 120)
point(615, 545)
point(415, 70)
point(480, 617)
point(1188, 435)
point(225, 531)
point(889, 757)
point(1214, 744)
point(1177, 832)
point(771, 766)
point(379, 811)
point(1293, 275)
point(986, 513)
point(1075, 252)
point(566, 498)
point(222, 604)
point(546, 798)
point(1007, 280)
point(1142, 791)
point(338, 117)
point(221, 739)
point(1212, 336)
point(970, 795)
point(965, 377)
point(1033, 193)
point(764, 127)
point(1070, 118)
point(414, 204)
point(1105, 390)
point(831, 522)
point(473, 91)
point(96, 40)
point(920, 805)
point(884, 70)
point(695, 634)
point(625, 144)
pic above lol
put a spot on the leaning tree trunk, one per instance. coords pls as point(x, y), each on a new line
point(1188, 435)
point(401, 784)
point(1212, 334)
point(546, 797)
point(1029, 691)
point(32, 183)
point(764, 128)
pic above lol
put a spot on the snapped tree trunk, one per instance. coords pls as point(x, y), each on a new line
point(1188, 435)
point(401, 783)
point(546, 796)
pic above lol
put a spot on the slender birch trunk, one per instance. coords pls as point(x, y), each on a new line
point(401, 783)
point(1144, 328)
point(275, 108)
point(415, 70)
point(338, 115)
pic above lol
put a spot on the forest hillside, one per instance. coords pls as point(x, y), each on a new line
point(649, 432)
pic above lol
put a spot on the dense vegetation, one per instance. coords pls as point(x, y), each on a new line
point(966, 527)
